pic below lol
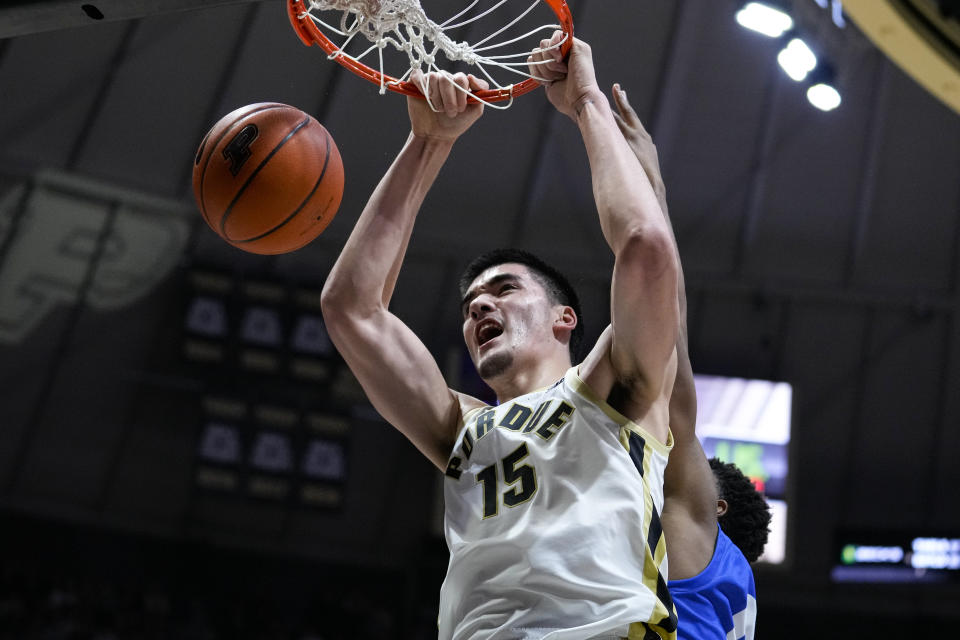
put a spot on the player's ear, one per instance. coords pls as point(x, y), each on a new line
point(566, 319)
point(722, 507)
point(564, 322)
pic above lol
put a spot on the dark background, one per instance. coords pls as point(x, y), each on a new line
point(820, 249)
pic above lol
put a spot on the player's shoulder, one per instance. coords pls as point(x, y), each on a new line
point(469, 406)
point(597, 369)
point(733, 558)
point(647, 407)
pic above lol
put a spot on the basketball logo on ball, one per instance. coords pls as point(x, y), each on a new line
point(268, 178)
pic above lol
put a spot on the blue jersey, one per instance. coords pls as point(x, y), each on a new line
point(719, 603)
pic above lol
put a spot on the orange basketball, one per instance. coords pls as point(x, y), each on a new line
point(268, 178)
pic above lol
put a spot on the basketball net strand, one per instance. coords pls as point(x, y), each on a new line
point(402, 24)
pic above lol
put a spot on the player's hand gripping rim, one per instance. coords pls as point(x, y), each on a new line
point(447, 92)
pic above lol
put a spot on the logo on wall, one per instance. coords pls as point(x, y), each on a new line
point(73, 237)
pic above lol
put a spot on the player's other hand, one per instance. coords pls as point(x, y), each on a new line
point(637, 137)
point(570, 82)
point(445, 113)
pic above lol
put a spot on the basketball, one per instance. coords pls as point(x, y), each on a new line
point(268, 178)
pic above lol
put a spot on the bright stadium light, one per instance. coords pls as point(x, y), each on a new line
point(797, 59)
point(764, 19)
point(823, 97)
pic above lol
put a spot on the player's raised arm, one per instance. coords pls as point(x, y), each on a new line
point(394, 367)
point(636, 354)
point(690, 491)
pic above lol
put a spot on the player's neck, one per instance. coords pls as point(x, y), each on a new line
point(520, 380)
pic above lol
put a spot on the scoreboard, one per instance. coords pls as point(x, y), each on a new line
point(896, 557)
point(747, 423)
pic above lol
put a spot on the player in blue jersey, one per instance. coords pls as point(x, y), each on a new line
point(710, 577)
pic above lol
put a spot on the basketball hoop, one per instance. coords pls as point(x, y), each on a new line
point(398, 33)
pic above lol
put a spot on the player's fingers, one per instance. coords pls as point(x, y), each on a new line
point(540, 68)
point(434, 93)
point(553, 49)
point(557, 66)
point(536, 60)
point(477, 84)
point(542, 53)
point(621, 124)
point(423, 83)
point(555, 41)
point(620, 97)
point(546, 65)
point(549, 49)
point(461, 88)
point(447, 95)
point(623, 106)
point(416, 77)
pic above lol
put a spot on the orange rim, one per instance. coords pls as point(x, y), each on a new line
point(310, 34)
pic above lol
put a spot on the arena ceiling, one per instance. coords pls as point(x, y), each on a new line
point(819, 249)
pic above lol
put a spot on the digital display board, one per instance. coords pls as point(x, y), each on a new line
point(747, 423)
point(896, 557)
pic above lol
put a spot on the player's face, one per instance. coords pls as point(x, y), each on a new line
point(507, 319)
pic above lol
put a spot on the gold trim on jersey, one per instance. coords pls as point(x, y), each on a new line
point(465, 419)
point(662, 623)
point(581, 387)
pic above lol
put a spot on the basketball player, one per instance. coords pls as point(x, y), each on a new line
point(710, 577)
point(553, 496)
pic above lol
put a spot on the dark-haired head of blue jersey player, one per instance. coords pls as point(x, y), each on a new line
point(714, 520)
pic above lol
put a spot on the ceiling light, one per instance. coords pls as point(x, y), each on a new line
point(764, 19)
point(797, 59)
point(823, 97)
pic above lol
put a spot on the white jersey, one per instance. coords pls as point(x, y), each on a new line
point(552, 521)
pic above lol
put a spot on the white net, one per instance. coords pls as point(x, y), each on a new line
point(501, 34)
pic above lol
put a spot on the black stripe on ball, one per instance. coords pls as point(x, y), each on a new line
point(203, 175)
point(263, 163)
point(316, 185)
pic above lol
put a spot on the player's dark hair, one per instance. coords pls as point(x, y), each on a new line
point(558, 288)
point(747, 519)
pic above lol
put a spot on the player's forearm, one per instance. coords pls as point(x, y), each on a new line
point(682, 343)
point(366, 271)
point(653, 173)
point(683, 400)
point(625, 199)
point(643, 148)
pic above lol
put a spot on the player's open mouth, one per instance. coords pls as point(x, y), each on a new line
point(487, 331)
